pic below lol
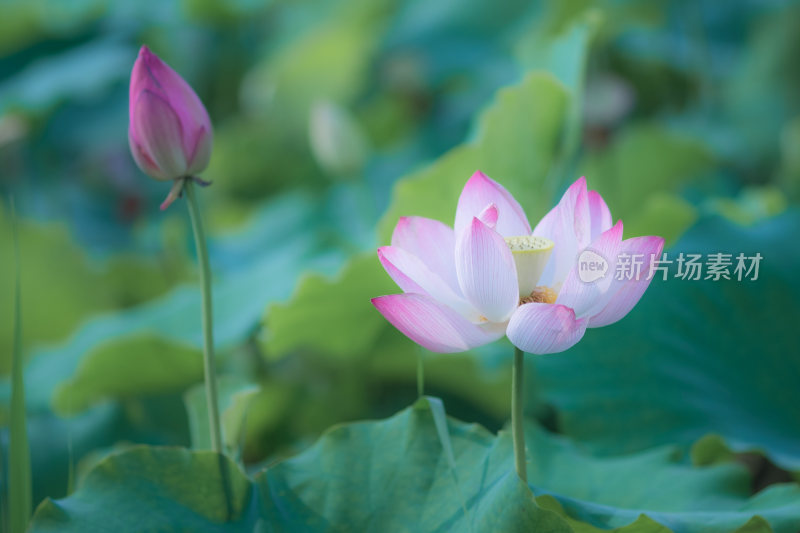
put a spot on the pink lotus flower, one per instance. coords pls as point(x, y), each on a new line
point(170, 132)
point(491, 276)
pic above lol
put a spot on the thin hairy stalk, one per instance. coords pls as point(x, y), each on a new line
point(517, 398)
point(207, 315)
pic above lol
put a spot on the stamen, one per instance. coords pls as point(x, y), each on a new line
point(541, 294)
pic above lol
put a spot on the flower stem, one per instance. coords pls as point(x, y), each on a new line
point(208, 326)
point(517, 430)
point(420, 374)
point(19, 469)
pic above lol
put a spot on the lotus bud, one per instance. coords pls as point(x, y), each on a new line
point(337, 142)
point(170, 132)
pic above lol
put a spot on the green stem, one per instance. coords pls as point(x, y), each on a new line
point(19, 470)
point(420, 374)
point(208, 326)
point(517, 429)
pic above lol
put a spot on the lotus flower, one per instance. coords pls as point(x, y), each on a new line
point(490, 275)
point(169, 133)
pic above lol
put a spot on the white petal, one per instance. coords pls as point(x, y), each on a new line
point(599, 215)
point(584, 294)
point(540, 328)
point(433, 242)
point(624, 294)
point(489, 216)
point(486, 271)
point(479, 192)
point(433, 325)
point(568, 226)
point(411, 275)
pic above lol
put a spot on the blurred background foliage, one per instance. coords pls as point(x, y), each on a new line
point(334, 118)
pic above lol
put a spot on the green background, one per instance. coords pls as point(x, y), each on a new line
point(682, 417)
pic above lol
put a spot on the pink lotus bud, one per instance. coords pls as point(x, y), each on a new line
point(170, 133)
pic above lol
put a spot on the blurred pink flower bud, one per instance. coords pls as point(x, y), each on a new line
point(170, 133)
